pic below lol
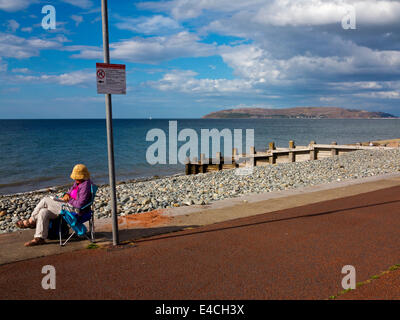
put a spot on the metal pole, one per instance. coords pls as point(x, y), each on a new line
point(110, 142)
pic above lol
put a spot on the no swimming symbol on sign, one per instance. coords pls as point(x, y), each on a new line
point(111, 78)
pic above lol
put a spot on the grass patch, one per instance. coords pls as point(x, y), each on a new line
point(395, 267)
point(92, 246)
point(375, 277)
point(345, 291)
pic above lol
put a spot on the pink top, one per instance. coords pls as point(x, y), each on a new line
point(74, 192)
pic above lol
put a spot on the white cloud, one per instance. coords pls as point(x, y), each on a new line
point(80, 77)
point(83, 4)
point(15, 5)
point(21, 48)
point(27, 29)
point(149, 25)
point(12, 25)
point(320, 12)
point(98, 18)
point(75, 78)
point(20, 70)
point(377, 12)
point(78, 19)
point(253, 62)
point(302, 12)
point(250, 62)
point(285, 12)
point(358, 85)
point(152, 50)
point(80, 99)
point(379, 95)
point(188, 9)
point(185, 81)
point(3, 66)
point(257, 71)
point(326, 99)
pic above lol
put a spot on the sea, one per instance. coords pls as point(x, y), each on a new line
point(36, 154)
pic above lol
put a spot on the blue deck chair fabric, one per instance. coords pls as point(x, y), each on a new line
point(72, 219)
point(75, 221)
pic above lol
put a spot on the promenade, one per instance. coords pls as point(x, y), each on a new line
point(291, 253)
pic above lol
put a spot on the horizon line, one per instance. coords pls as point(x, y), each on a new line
point(201, 118)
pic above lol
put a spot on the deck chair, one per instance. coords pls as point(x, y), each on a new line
point(75, 222)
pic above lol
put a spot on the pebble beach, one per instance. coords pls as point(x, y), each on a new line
point(202, 189)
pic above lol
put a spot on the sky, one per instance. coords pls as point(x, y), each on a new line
point(187, 58)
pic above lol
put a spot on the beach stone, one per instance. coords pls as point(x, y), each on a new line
point(141, 196)
point(125, 199)
point(188, 202)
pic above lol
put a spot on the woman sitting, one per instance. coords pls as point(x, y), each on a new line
point(49, 208)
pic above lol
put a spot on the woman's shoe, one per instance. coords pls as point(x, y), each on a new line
point(35, 242)
point(24, 224)
point(20, 224)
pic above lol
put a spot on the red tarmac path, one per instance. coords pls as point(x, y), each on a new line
point(296, 253)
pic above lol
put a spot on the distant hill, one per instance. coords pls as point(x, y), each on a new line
point(298, 112)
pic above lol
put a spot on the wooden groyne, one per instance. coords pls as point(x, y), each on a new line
point(272, 156)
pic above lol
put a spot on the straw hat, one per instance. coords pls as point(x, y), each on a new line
point(80, 172)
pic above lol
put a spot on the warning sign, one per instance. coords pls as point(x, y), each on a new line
point(111, 78)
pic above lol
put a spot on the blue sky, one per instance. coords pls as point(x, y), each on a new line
point(186, 58)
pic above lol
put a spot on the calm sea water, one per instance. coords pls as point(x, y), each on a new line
point(40, 153)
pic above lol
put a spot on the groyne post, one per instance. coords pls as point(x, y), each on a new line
point(218, 160)
point(271, 146)
point(202, 163)
point(292, 156)
point(234, 155)
point(313, 151)
point(195, 167)
point(334, 151)
point(252, 160)
point(187, 166)
point(272, 158)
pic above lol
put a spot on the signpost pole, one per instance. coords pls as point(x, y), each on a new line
point(110, 142)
